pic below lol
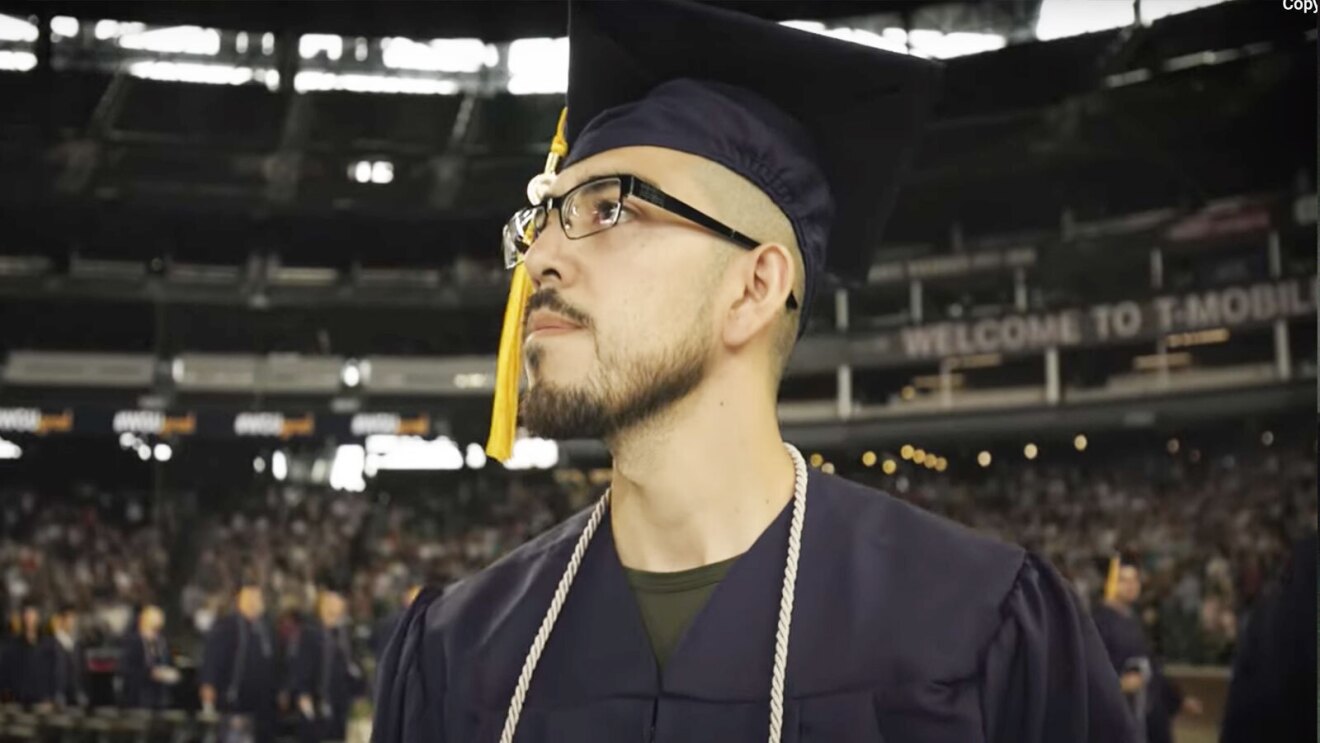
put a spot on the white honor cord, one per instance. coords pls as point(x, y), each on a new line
point(781, 633)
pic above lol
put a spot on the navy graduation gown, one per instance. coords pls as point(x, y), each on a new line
point(65, 669)
point(906, 627)
point(137, 657)
point(1273, 690)
point(240, 662)
point(30, 670)
point(1125, 640)
point(324, 669)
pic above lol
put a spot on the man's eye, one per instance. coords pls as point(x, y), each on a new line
point(605, 210)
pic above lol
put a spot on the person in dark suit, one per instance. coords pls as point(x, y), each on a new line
point(146, 666)
point(240, 664)
point(1272, 695)
point(326, 677)
point(62, 655)
point(30, 678)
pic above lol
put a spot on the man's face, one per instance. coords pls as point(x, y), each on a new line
point(250, 602)
point(630, 308)
point(31, 619)
point(1129, 584)
point(152, 619)
point(332, 608)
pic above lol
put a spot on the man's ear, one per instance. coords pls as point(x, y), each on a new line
point(767, 276)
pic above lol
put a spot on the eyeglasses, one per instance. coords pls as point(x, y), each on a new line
point(596, 206)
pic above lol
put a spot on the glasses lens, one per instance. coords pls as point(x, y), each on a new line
point(592, 207)
point(520, 232)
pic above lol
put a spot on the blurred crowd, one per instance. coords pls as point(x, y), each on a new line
point(100, 553)
point(1208, 533)
point(294, 540)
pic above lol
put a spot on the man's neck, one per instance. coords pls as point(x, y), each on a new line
point(699, 485)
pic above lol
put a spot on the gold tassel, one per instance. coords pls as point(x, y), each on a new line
point(1111, 580)
point(508, 366)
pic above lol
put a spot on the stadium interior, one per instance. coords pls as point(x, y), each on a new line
point(251, 294)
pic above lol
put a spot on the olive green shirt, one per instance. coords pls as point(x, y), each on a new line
point(670, 601)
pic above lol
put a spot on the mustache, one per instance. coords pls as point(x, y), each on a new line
point(549, 299)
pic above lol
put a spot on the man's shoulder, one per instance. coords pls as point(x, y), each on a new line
point(895, 529)
point(503, 584)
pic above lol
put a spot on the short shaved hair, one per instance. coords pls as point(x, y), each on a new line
point(749, 210)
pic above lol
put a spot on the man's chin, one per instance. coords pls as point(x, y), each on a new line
point(553, 412)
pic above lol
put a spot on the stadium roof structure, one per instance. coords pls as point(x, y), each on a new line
point(491, 21)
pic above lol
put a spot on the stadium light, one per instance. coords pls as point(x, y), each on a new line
point(1173, 446)
point(163, 452)
point(346, 472)
point(816, 459)
point(1061, 18)
point(11, 61)
point(538, 66)
point(984, 459)
point(279, 466)
point(1080, 442)
point(169, 40)
point(476, 456)
point(868, 459)
point(259, 465)
point(144, 452)
point(1267, 438)
point(310, 45)
point(919, 456)
point(906, 452)
point(10, 450)
point(352, 374)
point(438, 55)
point(13, 28)
point(63, 25)
point(890, 467)
point(941, 464)
point(827, 468)
point(1030, 451)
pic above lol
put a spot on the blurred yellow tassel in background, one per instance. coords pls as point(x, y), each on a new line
point(1111, 580)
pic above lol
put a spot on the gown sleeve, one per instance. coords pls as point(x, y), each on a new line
point(409, 690)
point(1047, 676)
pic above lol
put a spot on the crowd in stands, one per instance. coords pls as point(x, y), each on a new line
point(1209, 533)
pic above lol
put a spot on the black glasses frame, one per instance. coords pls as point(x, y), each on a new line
point(630, 186)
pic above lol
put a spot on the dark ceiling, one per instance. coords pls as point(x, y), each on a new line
point(491, 20)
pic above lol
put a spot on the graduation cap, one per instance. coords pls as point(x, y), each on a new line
point(825, 127)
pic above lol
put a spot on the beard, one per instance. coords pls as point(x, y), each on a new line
point(622, 395)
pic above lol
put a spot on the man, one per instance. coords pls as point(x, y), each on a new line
point(717, 166)
point(1272, 695)
point(63, 655)
point(1153, 699)
point(146, 666)
point(239, 673)
point(27, 660)
point(326, 677)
